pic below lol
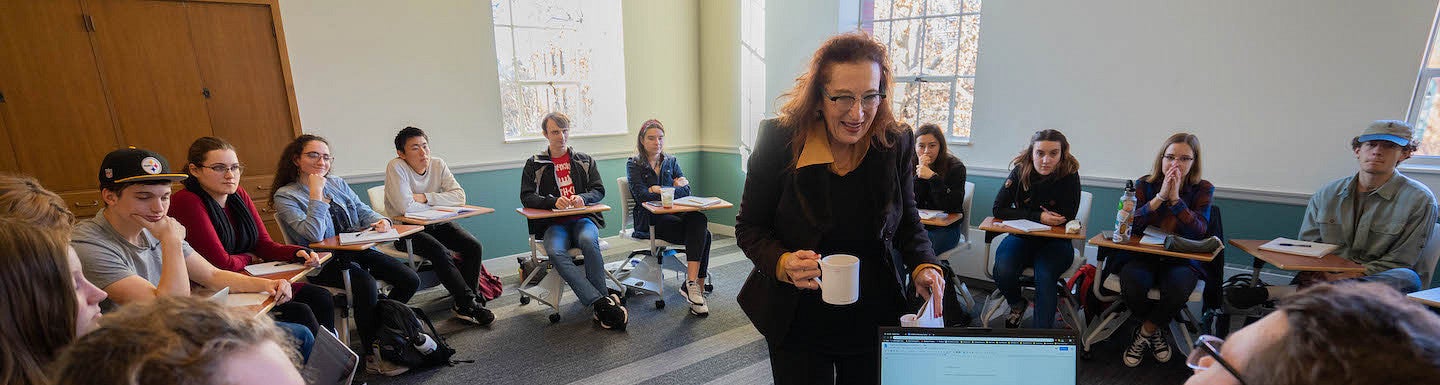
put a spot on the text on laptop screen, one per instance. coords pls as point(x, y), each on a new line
point(938, 358)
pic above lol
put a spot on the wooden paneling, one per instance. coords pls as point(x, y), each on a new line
point(7, 159)
point(149, 67)
point(84, 203)
point(249, 105)
point(55, 108)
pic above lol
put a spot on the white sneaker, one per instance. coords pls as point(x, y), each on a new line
point(374, 364)
point(695, 295)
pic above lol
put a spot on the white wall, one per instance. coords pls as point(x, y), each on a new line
point(365, 68)
point(1275, 89)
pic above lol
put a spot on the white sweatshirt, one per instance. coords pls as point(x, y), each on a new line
point(438, 185)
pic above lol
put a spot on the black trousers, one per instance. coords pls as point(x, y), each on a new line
point(792, 365)
point(365, 267)
point(311, 306)
point(436, 243)
point(688, 229)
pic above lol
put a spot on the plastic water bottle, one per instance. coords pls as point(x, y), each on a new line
point(1124, 214)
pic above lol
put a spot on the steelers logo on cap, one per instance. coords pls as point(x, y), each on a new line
point(150, 165)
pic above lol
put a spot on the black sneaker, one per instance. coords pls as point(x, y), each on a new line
point(1136, 352)
point(1159, 346)
point(609, 314)
point(1245, 297)
point(1017, 313)
point(474, 313)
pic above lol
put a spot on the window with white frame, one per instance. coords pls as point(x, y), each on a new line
point(560, 55)
point(933, 46)
point(752, 75)
point(1425, 106)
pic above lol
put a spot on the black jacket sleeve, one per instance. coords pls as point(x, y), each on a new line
point(948, 192)
point(1067, 198)
point(1007, 200)
point(910, 235)
point(594, 186)
point(755, 224)
point(529, 191)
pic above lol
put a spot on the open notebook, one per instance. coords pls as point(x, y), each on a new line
point(438, 212)
point(697, 201)
point(368, 236)
point(1025, 225)
point(268, 268)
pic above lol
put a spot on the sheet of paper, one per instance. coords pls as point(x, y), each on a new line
point(245, 299)
point(268, 268)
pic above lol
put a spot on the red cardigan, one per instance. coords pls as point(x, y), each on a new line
point(186, 208)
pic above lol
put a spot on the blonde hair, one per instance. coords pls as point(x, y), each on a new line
point(22, 197)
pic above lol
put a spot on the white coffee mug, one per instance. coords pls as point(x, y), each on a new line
point(667, 197)
point(841, 279)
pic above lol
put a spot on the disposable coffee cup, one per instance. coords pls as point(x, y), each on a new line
point(839, 279)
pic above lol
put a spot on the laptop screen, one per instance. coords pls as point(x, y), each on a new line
point(977, 356)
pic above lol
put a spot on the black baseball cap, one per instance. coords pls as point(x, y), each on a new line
point(131, 165)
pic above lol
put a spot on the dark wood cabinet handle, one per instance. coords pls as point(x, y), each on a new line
point(91, 204)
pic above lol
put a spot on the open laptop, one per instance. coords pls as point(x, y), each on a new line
point(977, 356)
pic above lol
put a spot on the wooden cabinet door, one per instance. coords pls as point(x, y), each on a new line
point(7, 160)
point(151, 74)
point(240, 60)
point(58, 122)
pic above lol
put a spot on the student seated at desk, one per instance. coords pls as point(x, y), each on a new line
point(1043, 187)
point(939, 184)
point(1379, 217)
point(48, 303)
point(1339, 333)
point(649, 171)
point(178, 340)
point(414, 181)
point(1172, 198)
point(136, 253)
point(222, 224)
point(561, 178)
point(312, 206)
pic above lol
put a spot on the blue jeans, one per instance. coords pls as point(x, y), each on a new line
point(589, 285)
point(1400, 278)
point(1050, 257)
point(304, 341)
point(943, 239)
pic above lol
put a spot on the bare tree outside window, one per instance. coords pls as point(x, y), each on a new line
point(560, 55)
point(933, 47)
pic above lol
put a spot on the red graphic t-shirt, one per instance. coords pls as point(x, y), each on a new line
point(562, 175)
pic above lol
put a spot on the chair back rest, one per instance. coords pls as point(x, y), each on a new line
point(627, 202)
point(1083, 214)
point(1429, 255)
point(969, 203)
point(284, 237)
point(377, 199)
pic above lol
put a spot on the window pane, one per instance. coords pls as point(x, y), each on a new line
point(548, 13)
point(882, 9)
point(972, 5)
point(905, 47)
point(964, 108)
point(942, 45)
point(969, 45)
point(500, 10)
point(942, 7)
point(903, 103)
point(881, 33)
point(550, 55)
point(1429, 119)
point(907, 8)
point(934, 98)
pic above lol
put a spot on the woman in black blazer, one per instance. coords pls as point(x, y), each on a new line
point(833, 175)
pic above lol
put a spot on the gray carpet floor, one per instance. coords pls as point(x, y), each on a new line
point(661, 346)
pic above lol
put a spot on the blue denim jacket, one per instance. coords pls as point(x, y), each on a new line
point(1395, 220)
point(305, 221)
point(641, 177)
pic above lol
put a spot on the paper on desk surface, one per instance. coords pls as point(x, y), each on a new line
point(245, 299)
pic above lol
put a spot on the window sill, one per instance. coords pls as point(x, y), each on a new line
point(572, 137)
point(959, 142)
point(1424, 166)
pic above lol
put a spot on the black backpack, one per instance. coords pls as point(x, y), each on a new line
point(400, 331)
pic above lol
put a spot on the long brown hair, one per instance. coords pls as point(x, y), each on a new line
point(1157, 172)
point(202, 146)
point(172, 340)
point(1026, 160)
point(1334, 337)
point(802, 107)
point(941, 164)
point(642, 156)
point(39, 299)
point(22, 197)
point(287, 172)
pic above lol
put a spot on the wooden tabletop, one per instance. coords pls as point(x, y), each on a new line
point(475, 210)
point(1430, 297)
point(949, 219)
point(1329, 263)
point(532, 213)
point(992, 224)
point(292, 276)
point(1099, 240)
point(655, 208)
point(333, 243)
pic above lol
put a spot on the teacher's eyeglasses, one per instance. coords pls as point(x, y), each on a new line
point(846, 102)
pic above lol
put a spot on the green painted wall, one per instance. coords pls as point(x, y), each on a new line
point(504, 232)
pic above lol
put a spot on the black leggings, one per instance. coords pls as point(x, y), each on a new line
point(689, 229)
point(435, 244)
point(365, 267)
point(312, 306)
